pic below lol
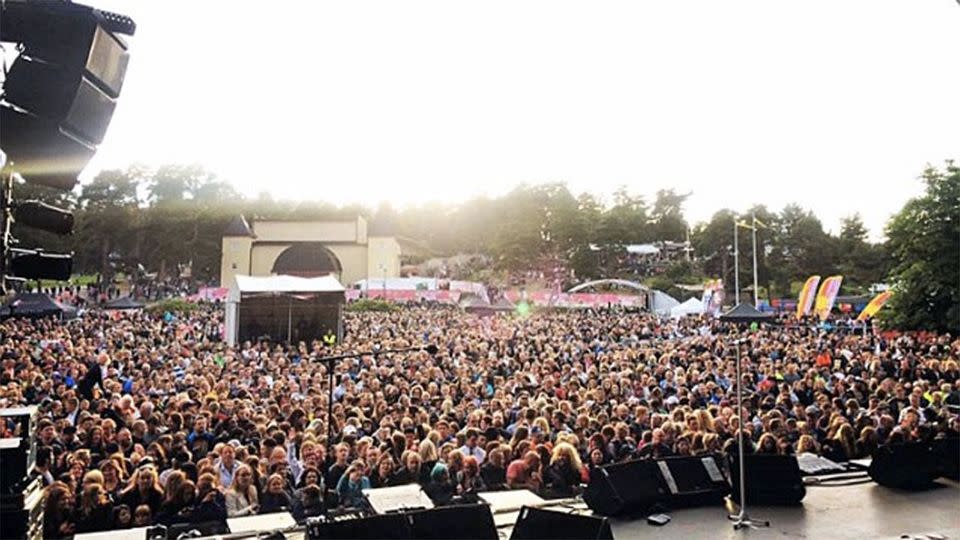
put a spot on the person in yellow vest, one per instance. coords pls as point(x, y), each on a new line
point(329, 339)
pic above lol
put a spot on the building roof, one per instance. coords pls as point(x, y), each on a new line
point(238, 227)
point(282, 285)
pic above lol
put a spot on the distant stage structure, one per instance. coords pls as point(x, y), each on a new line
point(314, 248)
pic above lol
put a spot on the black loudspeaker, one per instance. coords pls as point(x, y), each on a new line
point(771, 479)
point(693, 481)
point(465, 522)
point(623, 488)
point(910, 466)
point(537, 524)
point(947, 453)
point(386, 527)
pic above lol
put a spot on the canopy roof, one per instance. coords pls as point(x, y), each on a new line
point(745, 313)
point(36, 305)
point(693, 306)
point(281, 285)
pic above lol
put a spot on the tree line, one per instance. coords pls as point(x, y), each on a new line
point(155, 219)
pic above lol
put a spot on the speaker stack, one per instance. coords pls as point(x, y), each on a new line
point(538, 524)
point(21, 494)
point(639, 486)
point(915, 466)
point(772, 480)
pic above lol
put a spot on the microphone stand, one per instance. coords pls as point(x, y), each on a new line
point(741, 520)
point(330, 362)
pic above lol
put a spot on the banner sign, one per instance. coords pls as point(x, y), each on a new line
point(807, 294)
point(827, 296)
point(874, 306)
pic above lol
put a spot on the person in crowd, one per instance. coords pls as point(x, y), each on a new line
point(493, 471)
point(440, 487)
point(144, 489)
point(58, 511)
point(524, 473)
point(566, 471)
point(384, 474)
point(469, 480)
point(124, 393)
point(96, 512)
point(351, 486)
point(275, 498)
point(242, 498)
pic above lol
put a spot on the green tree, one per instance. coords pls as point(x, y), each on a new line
point(667, 216)
point(861, 262)
point(924, 241)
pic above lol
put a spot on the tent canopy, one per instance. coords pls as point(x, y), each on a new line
point(36, 305)
point(745, 313)
point(282, 284)
point(693, 306)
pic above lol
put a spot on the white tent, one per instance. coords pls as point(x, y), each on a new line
point(693, 306)
point(661, 303)
point(294, 288)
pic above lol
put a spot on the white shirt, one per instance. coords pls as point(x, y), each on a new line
point(476, 452)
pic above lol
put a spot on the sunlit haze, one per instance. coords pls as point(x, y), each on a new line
point(834, 105)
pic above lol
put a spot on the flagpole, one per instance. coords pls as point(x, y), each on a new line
point(756, 293)
point(736, 264)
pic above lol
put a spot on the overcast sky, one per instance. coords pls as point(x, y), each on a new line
point(836, 105)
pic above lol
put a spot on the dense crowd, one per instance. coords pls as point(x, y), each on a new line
point(153, 420)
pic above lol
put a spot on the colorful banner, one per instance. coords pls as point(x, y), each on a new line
point(807, 294)
point(827, 296)
point(874, 306)
point(712, 296)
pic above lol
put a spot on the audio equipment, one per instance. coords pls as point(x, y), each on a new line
point(771, 479)
point(630, 487)
point(537, 524)
point(466, 522)
point(911, 466)
point(693, 480)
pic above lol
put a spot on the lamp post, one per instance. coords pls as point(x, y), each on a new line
point(743, 314)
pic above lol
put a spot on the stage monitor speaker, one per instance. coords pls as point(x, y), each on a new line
point(772, 480)
point(385, 527)
point(537, 524)
point(947, 453)
point(693, 480)
point(463, 522)
point(625, 488)
point(911, 466)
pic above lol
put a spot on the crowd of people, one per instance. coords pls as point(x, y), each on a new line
point(148, 419)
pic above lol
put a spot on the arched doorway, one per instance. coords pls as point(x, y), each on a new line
point(307, 259)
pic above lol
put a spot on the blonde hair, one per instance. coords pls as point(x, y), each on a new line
point(428, 451)
point(566, 449)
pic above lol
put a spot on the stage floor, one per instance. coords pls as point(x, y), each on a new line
point(854, 512)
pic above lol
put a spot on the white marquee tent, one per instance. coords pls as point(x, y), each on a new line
point(693, 306)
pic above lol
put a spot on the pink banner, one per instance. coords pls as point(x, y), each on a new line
point(447, 297)
point(572, 300)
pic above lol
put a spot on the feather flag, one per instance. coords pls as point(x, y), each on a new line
point(874, 306)
point(807, 294)
point(827, 296)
